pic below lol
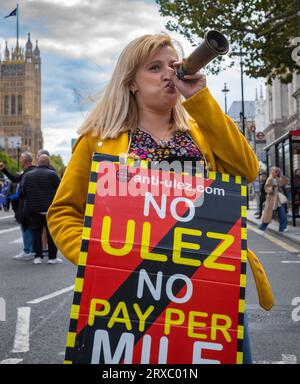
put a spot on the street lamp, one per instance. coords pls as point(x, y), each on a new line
point(18, 155)
point(299, 17)
point(14, 144)
point(242, 114)
point(225, 90)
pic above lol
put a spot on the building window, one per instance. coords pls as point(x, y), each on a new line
point(13, 105)
point(20, 106)
point(6, 105)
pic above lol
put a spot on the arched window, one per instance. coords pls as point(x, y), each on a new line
point(6, 105)
point(20, 105)
point(13, 105)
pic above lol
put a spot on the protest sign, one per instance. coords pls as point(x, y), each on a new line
point(162, 267)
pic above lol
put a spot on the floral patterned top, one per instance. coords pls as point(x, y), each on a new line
point(145, 147)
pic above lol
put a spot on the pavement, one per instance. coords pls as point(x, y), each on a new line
point(293, 233)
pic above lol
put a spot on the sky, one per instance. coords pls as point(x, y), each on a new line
point(80, 41)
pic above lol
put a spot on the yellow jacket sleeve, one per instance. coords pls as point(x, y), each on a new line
point(226, 148)
point(66, 214)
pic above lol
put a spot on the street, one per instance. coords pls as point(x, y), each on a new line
point(35, 302)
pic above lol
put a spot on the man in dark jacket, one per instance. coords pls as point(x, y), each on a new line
point(39, 188)
point(262, 194)
point(26, 164)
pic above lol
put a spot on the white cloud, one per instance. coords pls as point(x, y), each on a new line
point(96, 29)
point(59, 132)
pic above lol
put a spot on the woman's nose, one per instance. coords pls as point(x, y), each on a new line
point(169, 72)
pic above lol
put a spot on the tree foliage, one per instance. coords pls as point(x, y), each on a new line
point(263, 29)
point(10, 163)
point(57, 162)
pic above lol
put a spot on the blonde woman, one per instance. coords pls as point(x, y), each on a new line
point(147, 111)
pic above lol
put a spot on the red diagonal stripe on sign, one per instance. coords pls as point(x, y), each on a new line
point(121, 209)
point(206, 296)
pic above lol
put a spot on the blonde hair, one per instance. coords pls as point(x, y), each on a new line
point(117, 110)
point(275, 169)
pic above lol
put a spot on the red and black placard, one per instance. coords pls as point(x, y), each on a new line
point(161, 278)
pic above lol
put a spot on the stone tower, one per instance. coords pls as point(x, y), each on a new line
point(20, 96)
point(260, 111)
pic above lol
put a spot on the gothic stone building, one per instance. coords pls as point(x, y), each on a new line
point(282, 113)
point(282, 127)
point(20, 95)
point(282, 132)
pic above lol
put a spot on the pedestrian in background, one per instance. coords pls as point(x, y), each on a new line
point(262, 193)
point(283, 182)
point(4, 193)
point(44, 235)
point(39, 189)
point(273, 202)
point(26, 165)
point(296, 181)
point(14, 195)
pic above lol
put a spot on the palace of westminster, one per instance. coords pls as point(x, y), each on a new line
point(20, 95)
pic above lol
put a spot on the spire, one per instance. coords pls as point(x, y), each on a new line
point(6, 52)
point(36, 49)
point(256, 94)
point(13, 54)
point(36, 52)
point(28, 52)
point(29, 44)
point(261, 92)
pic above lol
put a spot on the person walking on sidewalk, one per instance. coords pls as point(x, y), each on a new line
point(39, 188)
point(26, 159)
point(296, 181)
point(262, 193)
point(283, 182)
point(273, 202)
point(44, 235)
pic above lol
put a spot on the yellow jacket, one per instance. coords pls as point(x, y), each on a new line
point(224, 147)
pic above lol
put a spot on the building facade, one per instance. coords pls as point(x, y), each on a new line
point(282, 120)
point(282, 108)
point(282, 133)
point(20, 100)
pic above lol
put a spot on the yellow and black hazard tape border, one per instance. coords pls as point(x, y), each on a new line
point(86, 233)
point(243, 276)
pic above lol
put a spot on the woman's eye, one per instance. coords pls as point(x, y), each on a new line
point(155, 67)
